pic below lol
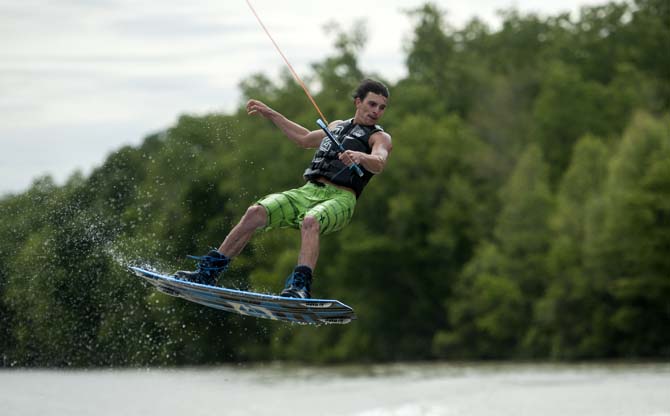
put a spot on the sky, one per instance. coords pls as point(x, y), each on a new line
point(79, 79)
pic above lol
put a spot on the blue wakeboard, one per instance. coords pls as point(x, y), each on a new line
point(302, 311)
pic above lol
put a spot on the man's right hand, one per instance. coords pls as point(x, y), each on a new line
point(257, 107)
point(294, 131)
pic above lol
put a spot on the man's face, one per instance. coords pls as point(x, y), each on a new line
point(371, 109)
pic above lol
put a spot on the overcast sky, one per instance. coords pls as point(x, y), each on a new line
point(81, 78)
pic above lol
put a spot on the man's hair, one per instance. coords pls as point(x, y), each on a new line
point(370, 85)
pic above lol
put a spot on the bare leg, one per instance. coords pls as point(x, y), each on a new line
point(239, 236)
point(309, 249)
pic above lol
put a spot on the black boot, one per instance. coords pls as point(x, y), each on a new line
point(208, 271)
point(299, 283)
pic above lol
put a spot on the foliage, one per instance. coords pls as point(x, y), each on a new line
point(524, 213)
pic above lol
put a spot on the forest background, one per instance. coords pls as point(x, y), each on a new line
point(524, 213)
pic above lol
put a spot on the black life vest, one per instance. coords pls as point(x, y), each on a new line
point(326, 163)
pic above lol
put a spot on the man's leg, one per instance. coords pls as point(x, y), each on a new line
point(299, 283)
point(309, 249)
point(239, 236)
point(215, 262)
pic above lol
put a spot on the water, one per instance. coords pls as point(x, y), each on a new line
point(393, 390)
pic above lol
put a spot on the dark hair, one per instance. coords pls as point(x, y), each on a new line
point(370, 85)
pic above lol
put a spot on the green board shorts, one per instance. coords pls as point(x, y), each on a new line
point(331, 206)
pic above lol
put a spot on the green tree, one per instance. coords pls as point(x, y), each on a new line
point(456, 250)
point(492, 306)
point(629, 249)
point(435, 64)
point(560, 329)
point(569, 106)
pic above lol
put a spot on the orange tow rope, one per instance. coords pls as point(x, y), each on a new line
point(290, 67)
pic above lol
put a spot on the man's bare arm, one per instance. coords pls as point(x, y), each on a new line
point(374, 162)
point(298, 134)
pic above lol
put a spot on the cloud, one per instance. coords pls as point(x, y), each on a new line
point(175, 25)
point(90, 75)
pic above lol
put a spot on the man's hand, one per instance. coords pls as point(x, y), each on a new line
point(349, 157)
point(376, 160)
point(257, 107)
point(294, 131)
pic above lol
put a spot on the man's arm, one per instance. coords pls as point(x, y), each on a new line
point(298, 134)
point(376, 160)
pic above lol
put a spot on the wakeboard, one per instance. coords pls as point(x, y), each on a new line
point(259, 305)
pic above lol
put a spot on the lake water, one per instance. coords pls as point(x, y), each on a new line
point(388, 390)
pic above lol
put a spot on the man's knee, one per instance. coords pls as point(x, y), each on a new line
point(310, 224)
point(256, 216)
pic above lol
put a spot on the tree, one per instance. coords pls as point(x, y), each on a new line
point(569, 107)
point(629, 248)
point(561, 328)
point(490, 312)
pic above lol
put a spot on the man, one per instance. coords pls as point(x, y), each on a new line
point(326, 202)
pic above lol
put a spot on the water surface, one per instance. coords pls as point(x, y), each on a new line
point(390, 390)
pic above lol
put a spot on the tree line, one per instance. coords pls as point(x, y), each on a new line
point(524, 213)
